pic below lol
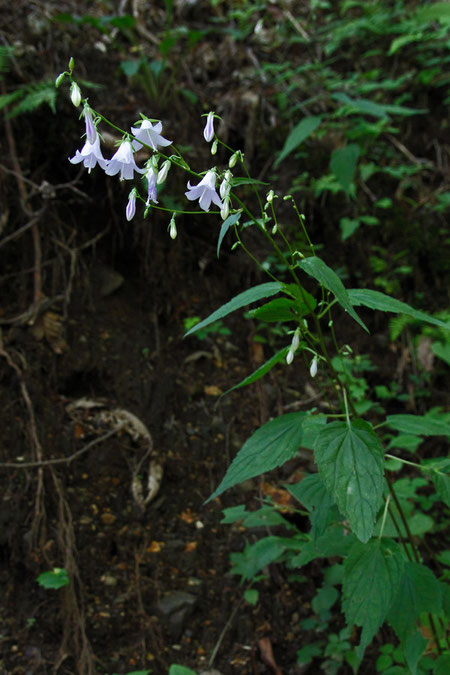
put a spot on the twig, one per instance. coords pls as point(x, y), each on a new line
point(60, 460)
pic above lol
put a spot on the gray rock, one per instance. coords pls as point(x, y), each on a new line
point(175, 608)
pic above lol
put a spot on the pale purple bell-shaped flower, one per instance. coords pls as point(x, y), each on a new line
point(208, 131)
point(151, 187)
point(123, 161)
point(91, 131)
point(149, 134)
point(205, 192)
point(90, 155)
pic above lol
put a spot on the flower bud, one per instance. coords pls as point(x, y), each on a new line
point(313, 367)
point(131, 206)
point(225, 210)
point(214, 147)
point(59, 79)
point(172, 228)
point(71, 64)
point(289, 357)
point(270, 196)
point(295, 340)
point(75, 94)
point(233, 159)
point(208, 131)
point(162, 173)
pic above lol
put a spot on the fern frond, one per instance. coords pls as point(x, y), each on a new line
point(34, 96)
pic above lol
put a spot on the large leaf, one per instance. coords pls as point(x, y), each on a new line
point(241, 300)
point(371, 577)
point(418, 592)
point(320, 271)
point(333, 542)
point(419, 425)
point(350, 461)
point(298, 134)
point(270, 446)
point(383, 302)
point(262, 370)
point(343, 164)
point(256, 556)
point(279, 309)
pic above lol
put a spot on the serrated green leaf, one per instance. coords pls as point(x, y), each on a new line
point(343, 164)
point(371, 577)
point(262, 370)
point(442, 351)
point(334, 542)
point(320, 271)
point(350, 462)
point(6, 99)
point(383, 302)
point(420, 425)
point(418, 591)
point(311, 492)
point(241, 300)
point(229, 222)
point(270, 446)
point(256, 556)
point(298, 134)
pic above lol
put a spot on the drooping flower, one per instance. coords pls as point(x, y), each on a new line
point(208, 131)
point(131, 206)
point(150, 134)
point(151, 187)
point(91, 131)
point(205, 192)
point(90, 155)
point(123, 161)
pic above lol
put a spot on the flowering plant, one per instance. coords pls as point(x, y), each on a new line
point(352, 500)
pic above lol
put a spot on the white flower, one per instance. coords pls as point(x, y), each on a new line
point(289, 357)
point(131, 206)
point(150, 135)
point(225, 210)
point(123, 161)
point(90, 155)
point(205, 192)
point(208, 131)
point(172, 228)
point(313, 367)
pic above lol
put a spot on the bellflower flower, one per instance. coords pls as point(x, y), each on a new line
point(151, 186)
point(123, 161)
point(75, 94)
point(91, 131)
point(208, 131)
point(205, 192)
point(131, 206)
point(90, 155)
point(162, 173)
point(150, 134)
point(313, 367)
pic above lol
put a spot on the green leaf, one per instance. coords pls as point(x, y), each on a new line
point(229, 222)
point(437, 11)
point(350, 461)
point(419, 425)
point(251, 596)
point(280, 309)
point(312, 493)
point(372, 573)
point(256, 556)
point(442, 351)
point(363, 105)
point(442, 484)
point(403, 40)
point(298, 134)
point(320, 271)
point(241, 300)
point(57, 578)
point(270, 446)
point(348, 227)
point(413, 648)
point(334, 542)
point(343, 164)
point(180, 670)
point(383, 302)
point(262, 370)
point(418, 591)
point(442, 665)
